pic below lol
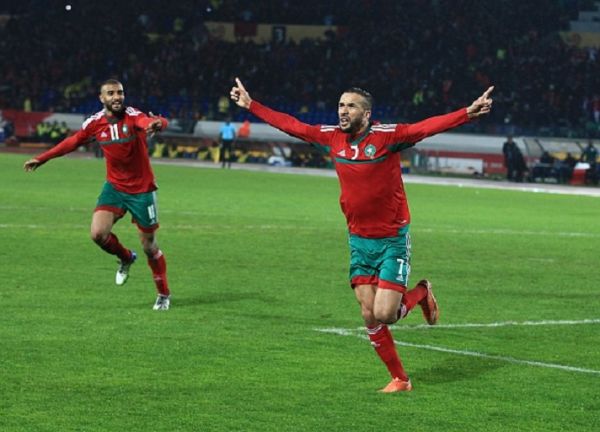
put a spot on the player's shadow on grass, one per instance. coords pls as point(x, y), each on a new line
point(457, 369)
point(219, 298)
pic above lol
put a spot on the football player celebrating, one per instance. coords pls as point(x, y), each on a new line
point(367, 162)
point(130, 186)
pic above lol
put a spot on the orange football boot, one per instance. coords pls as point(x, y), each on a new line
point(397, 385)
point(429, 305)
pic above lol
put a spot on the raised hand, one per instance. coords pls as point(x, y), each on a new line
point(155, 126)
point(239, 95)
point(482, 105)
point(31, 165)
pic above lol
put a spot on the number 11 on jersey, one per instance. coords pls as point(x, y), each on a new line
point(114, 132)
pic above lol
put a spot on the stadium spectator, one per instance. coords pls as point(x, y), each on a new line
point(565, 168)
point(226, 138)
point(63, 130)
point(520, 166)
point(367, 162)
point(9, 129)
point(55, 133)
point(440, 56)
point(27, 104)
point(160, 146)
point(223, 107)
point(590, 153)
point(296, 159)
point(42, 132)
point(590, 156)
point(130, 184)
point(544, 168)
point(244, 129)
point(514, 161)
point(507, 151)
point(596, 108)
point(6, 128)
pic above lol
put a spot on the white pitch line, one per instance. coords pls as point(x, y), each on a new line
point(497, 357)
point(472, 325)
point(354, 332)
point(502, 324)
point(416, 229)
point(36, 226)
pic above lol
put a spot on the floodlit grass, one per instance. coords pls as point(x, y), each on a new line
point(257, 265)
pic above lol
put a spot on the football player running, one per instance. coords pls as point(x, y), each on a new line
point(130, 186)
point(367, 161)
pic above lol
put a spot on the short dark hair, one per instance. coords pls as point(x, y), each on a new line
point(365, 94)
point(110, 81)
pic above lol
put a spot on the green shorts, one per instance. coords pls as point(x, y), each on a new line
point(142, 206)
point(384, 262)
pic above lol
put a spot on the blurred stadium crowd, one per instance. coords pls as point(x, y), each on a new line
point(417, 57)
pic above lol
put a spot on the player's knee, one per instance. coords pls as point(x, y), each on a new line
point(150, 248)
point(99, 237)
point(150, 252)
point(149, 245)
point(386, 316)
point(367, 314)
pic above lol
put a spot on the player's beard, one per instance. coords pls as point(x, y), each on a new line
point(115, 111)
point(353, 126)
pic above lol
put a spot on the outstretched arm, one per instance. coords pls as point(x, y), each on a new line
point(415, 132)
point(65, 146)
point(284, 122)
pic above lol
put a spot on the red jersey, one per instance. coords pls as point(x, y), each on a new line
point(368, 166)
point(123, 141)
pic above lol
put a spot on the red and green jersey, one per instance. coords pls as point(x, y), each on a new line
point(368, 166)
point(123, 141)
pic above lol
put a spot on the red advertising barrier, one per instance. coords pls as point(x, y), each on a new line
point(25, 122)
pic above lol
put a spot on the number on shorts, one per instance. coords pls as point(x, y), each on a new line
point(401, 276)
point(152, 212)
point(400, 268)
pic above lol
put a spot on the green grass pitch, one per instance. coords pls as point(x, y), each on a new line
point(258, 269)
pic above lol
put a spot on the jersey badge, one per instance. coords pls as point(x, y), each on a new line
point(125, 129)
point(103, 135)
point(370, 151)
point(342, 153)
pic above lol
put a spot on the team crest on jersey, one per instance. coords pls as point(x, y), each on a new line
point(370, 151)
point(125, 129)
